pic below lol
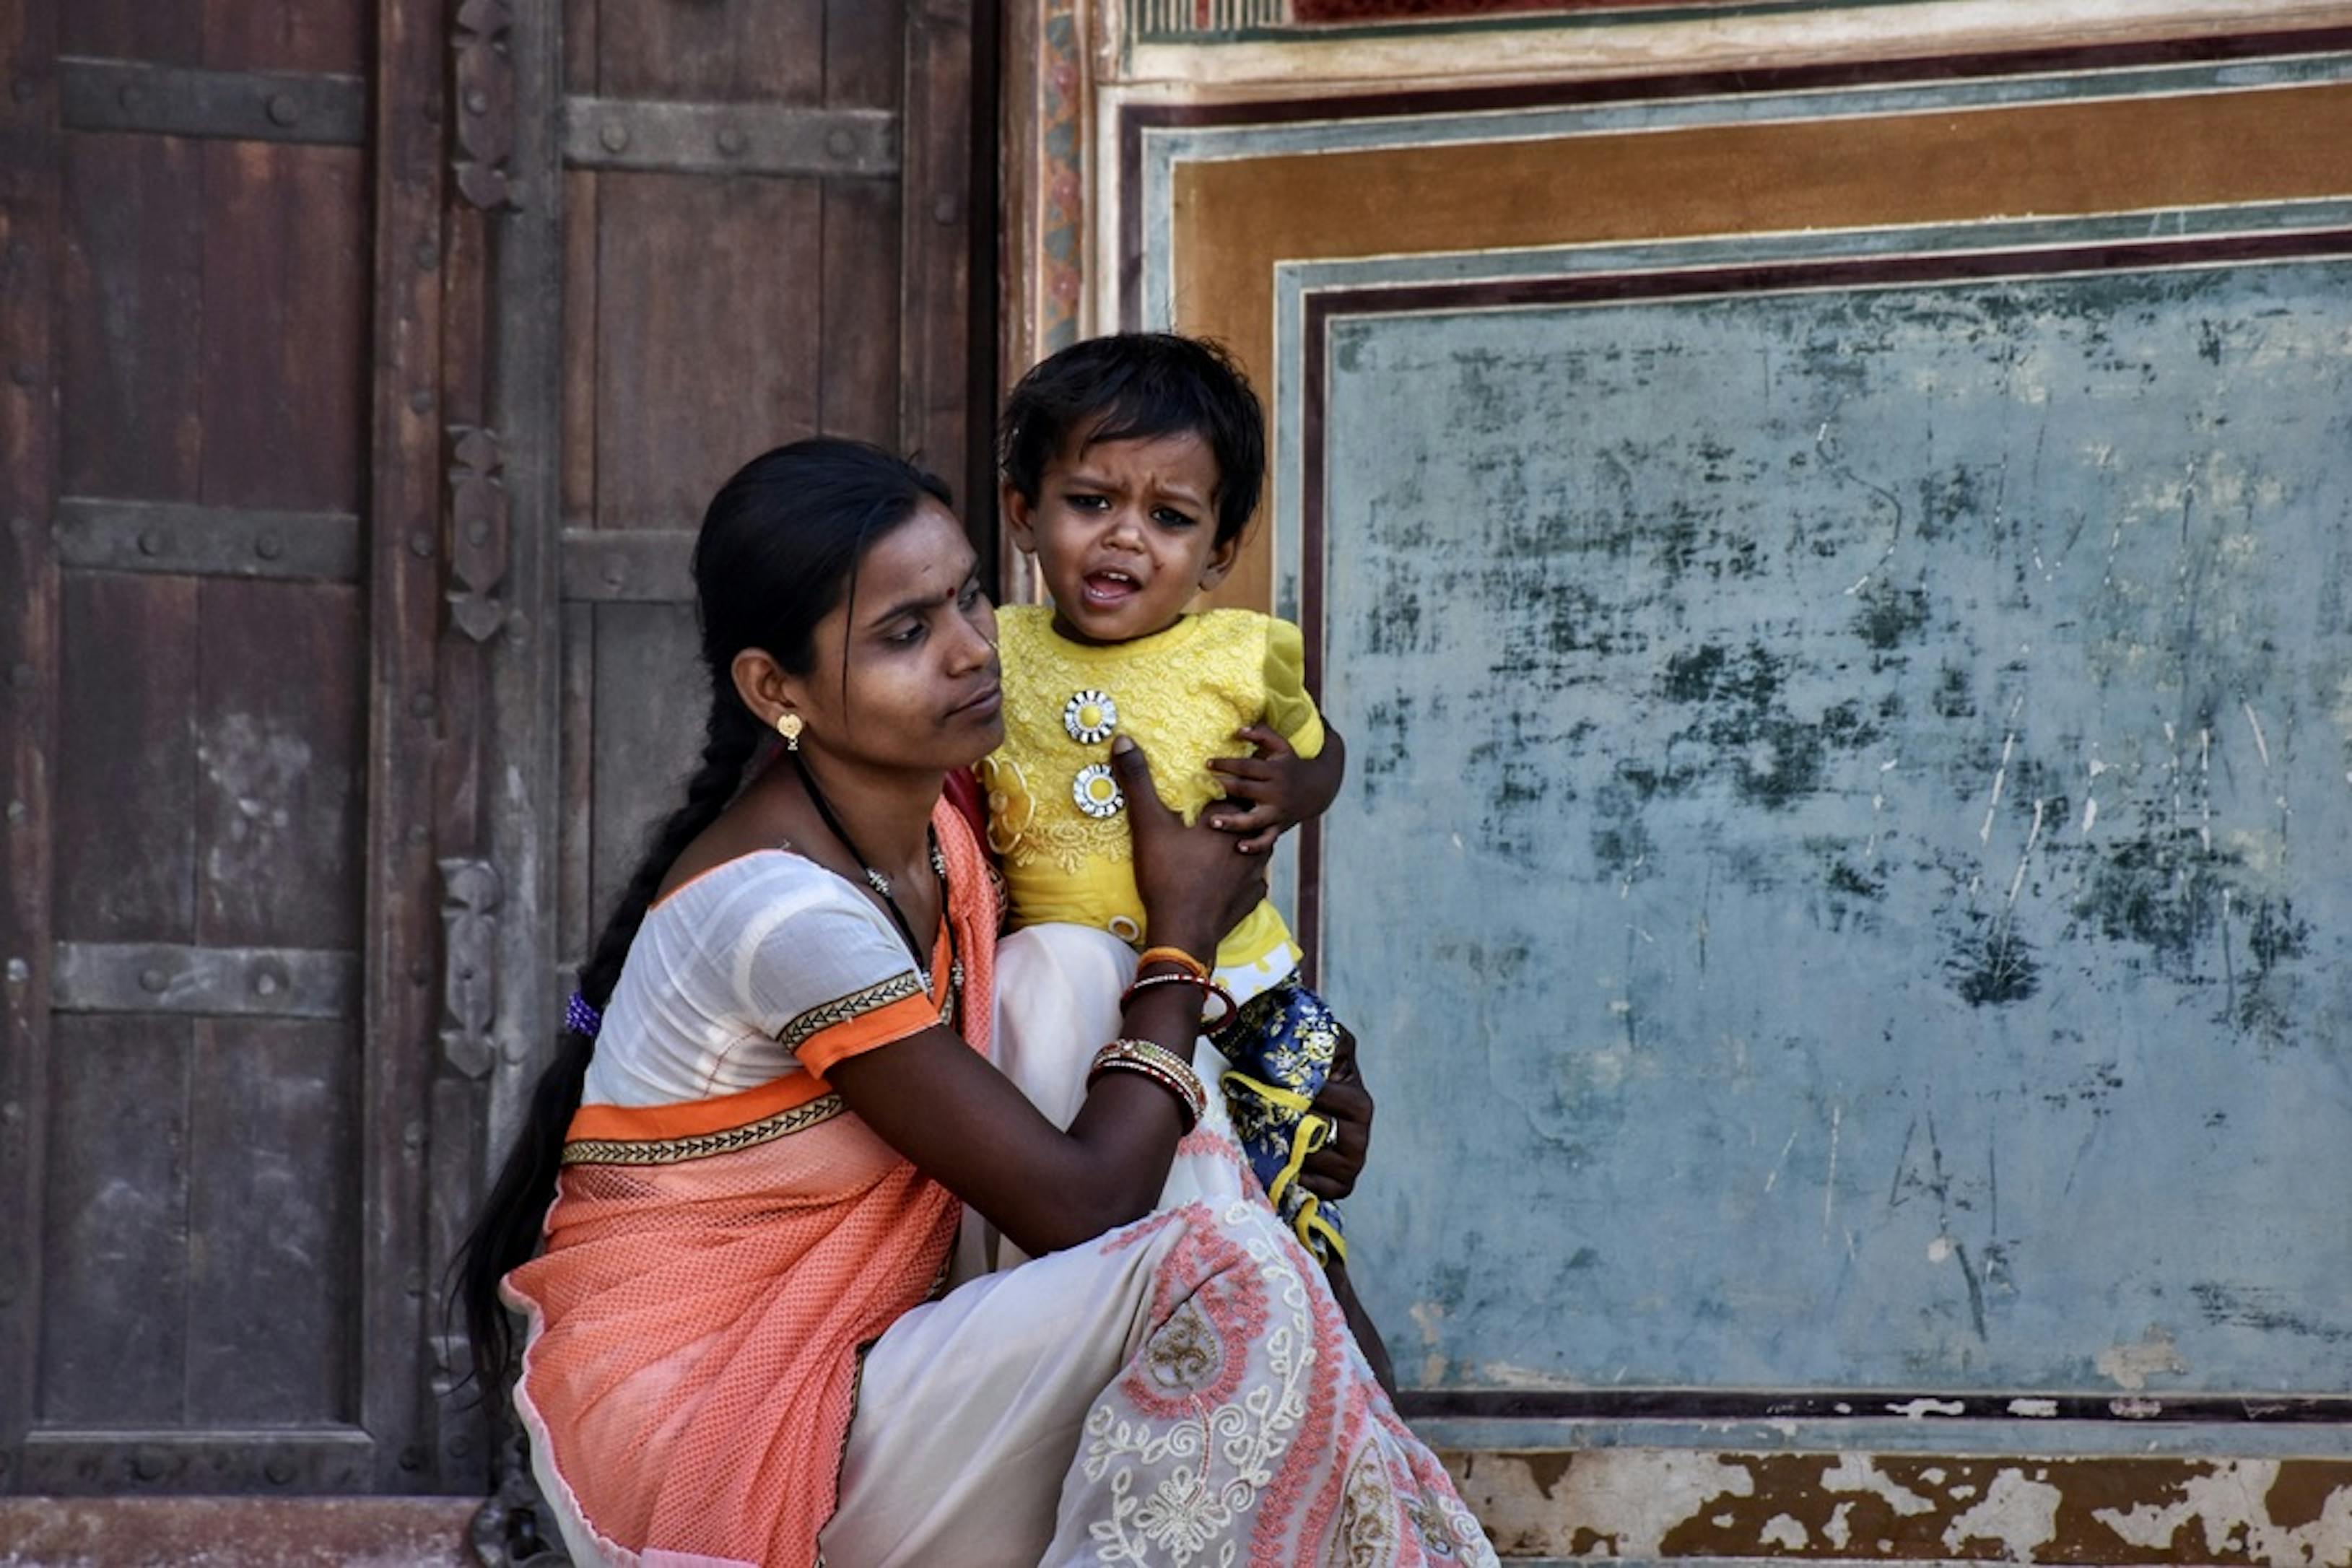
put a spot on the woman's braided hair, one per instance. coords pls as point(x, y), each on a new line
point(778, 549)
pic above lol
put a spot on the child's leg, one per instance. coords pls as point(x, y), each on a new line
point(1282, 1045)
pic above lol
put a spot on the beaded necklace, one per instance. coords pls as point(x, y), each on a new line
point(881, 884)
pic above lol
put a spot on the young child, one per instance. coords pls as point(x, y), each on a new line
point(1131, 464)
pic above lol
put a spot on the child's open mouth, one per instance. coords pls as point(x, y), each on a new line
point(1110, 587)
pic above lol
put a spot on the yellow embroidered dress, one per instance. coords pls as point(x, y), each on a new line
point(1058, 825)
point(1181, 694)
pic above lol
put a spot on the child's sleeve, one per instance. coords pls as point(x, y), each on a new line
point(1289, 710)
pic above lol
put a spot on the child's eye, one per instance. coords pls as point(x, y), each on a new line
point(1089, 503)
point(1169, 517)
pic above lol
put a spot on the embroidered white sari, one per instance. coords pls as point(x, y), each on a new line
point(1180, 1391)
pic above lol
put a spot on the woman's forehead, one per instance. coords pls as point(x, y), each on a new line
point(924, 558)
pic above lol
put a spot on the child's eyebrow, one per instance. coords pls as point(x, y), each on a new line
point(1080, 478)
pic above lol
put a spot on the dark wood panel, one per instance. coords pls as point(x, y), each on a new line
point(278, 764)
point(579, 347)
point(28, 681)
point(115, 1233)
point(864, 67)
point(937, 344)
point(126, 851)
point(694, 380)
point(858, 379)
point(274, 1223)
point(131, 317)
point(577, 918)
point(864, 54)
point(649, 703)
point(285, 317)
point(737, 52)
point(580, 46)
point(286, 35)
point(135, 30)
point(406, 485)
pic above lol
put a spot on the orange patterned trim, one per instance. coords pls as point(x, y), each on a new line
point(696, 1119)
point(907, 1015)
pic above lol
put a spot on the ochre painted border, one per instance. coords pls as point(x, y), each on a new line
point(1236, 219)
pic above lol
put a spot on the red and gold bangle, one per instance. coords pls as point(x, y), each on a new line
point(1209, 988)
point(1161, 1066)
point(1177, 956)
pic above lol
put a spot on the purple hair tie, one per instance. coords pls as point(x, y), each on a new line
point(581, 1018)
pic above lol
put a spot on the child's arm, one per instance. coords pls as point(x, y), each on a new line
point(1279, 788)
point(1300, 763)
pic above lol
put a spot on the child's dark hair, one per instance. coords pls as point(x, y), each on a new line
point(778, 548)
point(1137, 387)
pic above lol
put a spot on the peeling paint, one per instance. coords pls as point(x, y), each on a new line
point(1857, 1473)
point(2114, 1512)
point(2229, 1509)
point(2021, 1515)
point(2131, 1365)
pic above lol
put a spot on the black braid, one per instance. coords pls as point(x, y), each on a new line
point(508, 1232)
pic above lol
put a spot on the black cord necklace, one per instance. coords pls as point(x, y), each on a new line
point(881, 884)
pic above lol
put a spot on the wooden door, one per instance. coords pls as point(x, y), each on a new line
point(362, 363)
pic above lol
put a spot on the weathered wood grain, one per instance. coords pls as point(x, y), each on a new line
point(708, 327)
point(935, 308)
point(134, 30)
point(114, 1317)
point(771, 53)
point(399, 914)
point(126, 823)
point(649, 705)
point(286, 35)
point(277, 773)
point(284, 316)
point(131, 317)
point(30, 211)
point(274, 1222)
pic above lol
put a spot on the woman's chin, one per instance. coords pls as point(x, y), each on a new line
point(970, 741)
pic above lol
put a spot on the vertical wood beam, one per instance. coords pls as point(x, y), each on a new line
point(29, 246)
point(522, 789)
point(935, 267)
point(403, 619)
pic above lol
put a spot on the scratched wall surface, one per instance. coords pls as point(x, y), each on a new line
point(1870, 771)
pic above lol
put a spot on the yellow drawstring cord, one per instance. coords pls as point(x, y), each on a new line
point(1313, 1131)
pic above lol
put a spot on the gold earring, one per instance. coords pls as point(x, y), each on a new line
point(788, 725)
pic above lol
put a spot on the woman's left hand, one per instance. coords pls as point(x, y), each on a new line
point(1331, 1171)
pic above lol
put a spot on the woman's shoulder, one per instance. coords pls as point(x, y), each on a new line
point(751, 896)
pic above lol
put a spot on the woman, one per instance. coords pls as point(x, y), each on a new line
point(756, 1155)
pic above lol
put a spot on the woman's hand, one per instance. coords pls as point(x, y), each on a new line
point(1195, 883)
point(1277, 788)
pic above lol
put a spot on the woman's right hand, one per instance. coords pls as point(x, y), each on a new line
point(1196, 884)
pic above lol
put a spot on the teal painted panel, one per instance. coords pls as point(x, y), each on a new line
point(1844, 882)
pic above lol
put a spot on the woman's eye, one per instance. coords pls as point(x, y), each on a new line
point(970, 596)
point(910, 633)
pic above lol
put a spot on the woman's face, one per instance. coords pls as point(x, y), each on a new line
point(917, 640)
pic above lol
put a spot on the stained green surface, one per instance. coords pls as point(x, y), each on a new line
point(1844, 882)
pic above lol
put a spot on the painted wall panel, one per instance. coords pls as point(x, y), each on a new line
point(1871, 769)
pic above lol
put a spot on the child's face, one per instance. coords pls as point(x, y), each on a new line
point(1125, 533)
